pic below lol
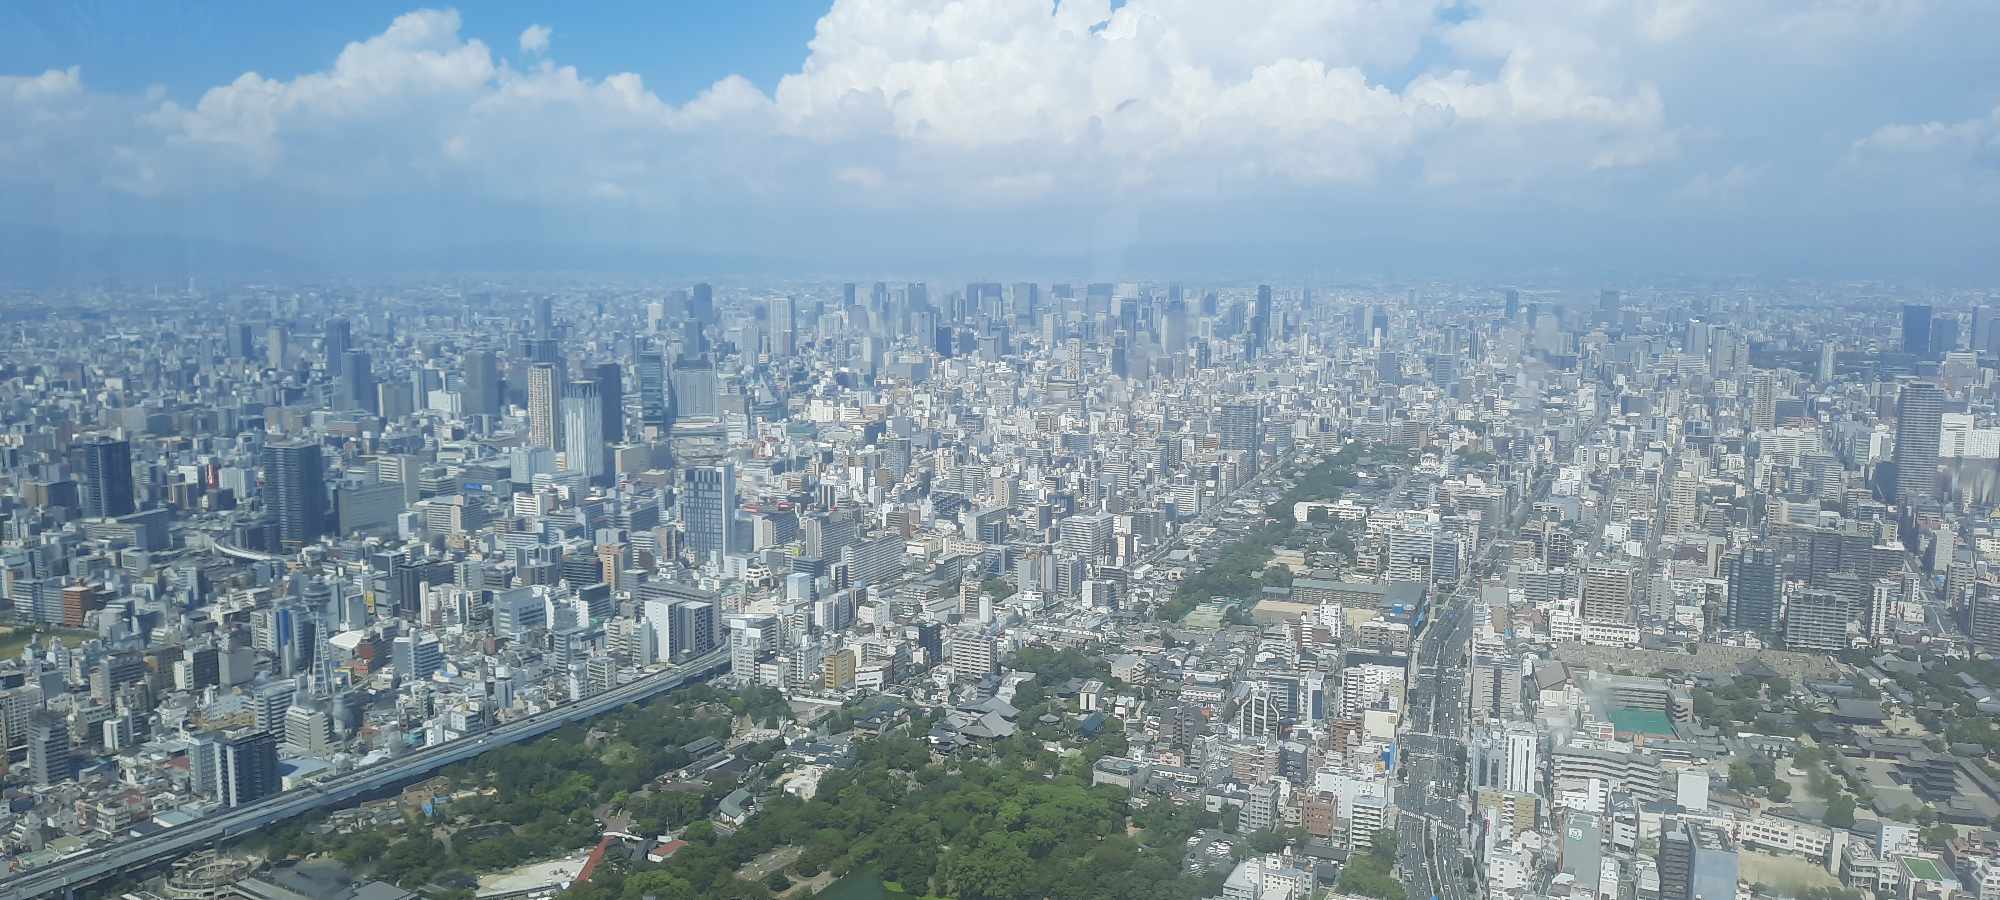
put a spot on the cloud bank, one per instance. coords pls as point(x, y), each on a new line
point(1034, 124)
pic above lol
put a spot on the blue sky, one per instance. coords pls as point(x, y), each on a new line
point(996, 137)
point(679, 47)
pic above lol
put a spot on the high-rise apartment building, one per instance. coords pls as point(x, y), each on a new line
point(1919, 422)
point(584, 449)
point(544, 402)
point(1607, 592)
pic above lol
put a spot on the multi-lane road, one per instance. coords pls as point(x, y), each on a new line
point(1431, 794)
point(66, 877)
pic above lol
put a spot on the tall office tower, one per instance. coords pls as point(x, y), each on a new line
point(242, 341)
point(545, 317)
point(276, 346)
point(1763, 400)
point(1944, 334)
point(544, 402)
point(783, 323)
point(1917, 328)
point(482, 383)
point(1523, 771)
point(1512, 310)
point(1607, 305)
point(357, 383)
point(1027, 300)
point(701, 306)
point(1240, 426)
point(1607, 592)
point(611, 397)
point(1828, 362)
point(584, 449)
point(295, 488)
point(708, 509)
point(1174, 327)
point(248, 764)
point(107, 478)
point(336, 341)
point(1985, 619)
point(1753, 590)
point(1816, 620)
point(650, 365)
point(49, 759)
point(1260, 322)
point(695, 393)
point(1919, 421)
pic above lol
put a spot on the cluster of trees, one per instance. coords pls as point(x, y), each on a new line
point(1373, 874)
point(1243, 569)
point(1052, 664)
point(1756, 706)
point(981, 829)
point(542, 797)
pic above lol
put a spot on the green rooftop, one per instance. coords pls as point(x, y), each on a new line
point(1921, 869)
point(1641, 721)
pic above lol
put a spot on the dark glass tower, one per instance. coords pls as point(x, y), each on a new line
point(107, 478)
point(295, 489)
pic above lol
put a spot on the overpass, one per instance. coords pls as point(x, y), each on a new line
point(102, 861)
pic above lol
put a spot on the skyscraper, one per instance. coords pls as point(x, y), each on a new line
point(545, 317)
point(584, 449)
point(242, 341)
point(107, 478)
point(784, 326)
point(49, 759)
point(650, 365)
point(1985, 619)
point(544, 399)
point(295, 489)
point(1763, 400)
point(1240, 426)
point(1917, 328)
point(337, 340)
point(1607, 592)
point(1260, 322)
point(1919, 421)
point(248, 764)
point(611, 399)
point(708, 509)
point(695, 393)
point(1753, 590)
point(276, 348)
point(357, 383)
point(482, 383)
point(1816, 621)
point(701, 306)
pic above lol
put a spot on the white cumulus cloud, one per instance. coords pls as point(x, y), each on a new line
point(535, 40)
point(1026, 104)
